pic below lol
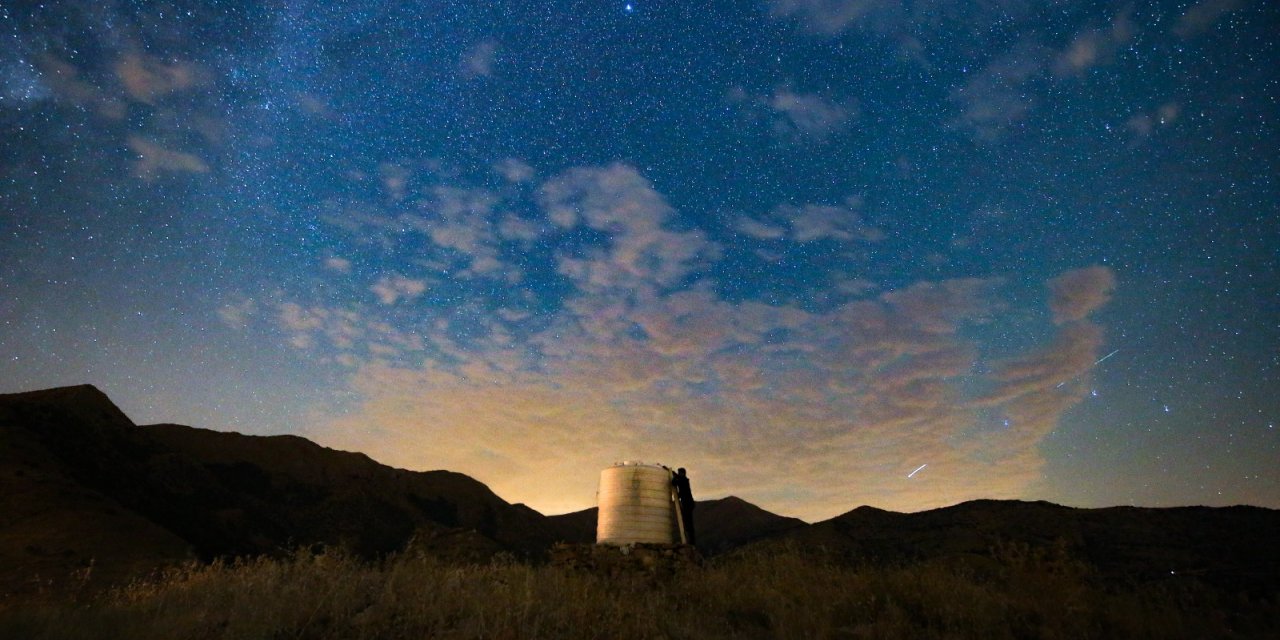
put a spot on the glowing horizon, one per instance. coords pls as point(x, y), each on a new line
point(823, 254)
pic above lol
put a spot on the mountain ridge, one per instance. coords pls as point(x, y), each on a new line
point(86, 494)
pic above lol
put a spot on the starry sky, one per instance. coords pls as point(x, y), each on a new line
point(823, 253)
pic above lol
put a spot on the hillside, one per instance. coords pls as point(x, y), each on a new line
point(88, 498)
point(83, 485)
point(1229, 547)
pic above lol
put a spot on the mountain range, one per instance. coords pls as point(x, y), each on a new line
point(89, 498)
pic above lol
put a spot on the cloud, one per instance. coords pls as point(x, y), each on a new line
point(821, 411)
point(810, 223)
point(1092, 47)
point(1072, 352)
point(830, 17)
point(795, 116)
point(395, 179)
point(815, 222)
point(147, 79)
point(462, 224)
point(853, 286)
point(760, 230)
point(463, 220)
point(996, 98)
point(340, 265)
point(1203, 15)
point(1001, 95)
point(1076, 294)
point(516, 228)
point(1143, 124)
point(808, 114)
point(633, 351)
point(514, 170)
point(69, 85)
point(395, 288)
point(643, 253)
point(478, 61)
point(236, 315)
point(351, 336)
point(154, 160)
point(940, 307)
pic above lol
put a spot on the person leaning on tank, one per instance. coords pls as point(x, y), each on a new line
point(681, 482)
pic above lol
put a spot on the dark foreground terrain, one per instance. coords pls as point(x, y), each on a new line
point(109, 529)
point(785, 593)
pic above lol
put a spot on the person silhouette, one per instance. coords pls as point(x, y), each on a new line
point(681, 482)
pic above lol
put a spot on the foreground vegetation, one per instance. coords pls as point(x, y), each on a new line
point(782, 594)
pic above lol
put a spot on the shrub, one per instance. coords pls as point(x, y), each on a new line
point(784, 593)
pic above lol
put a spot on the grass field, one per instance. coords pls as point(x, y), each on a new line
point(786, 593)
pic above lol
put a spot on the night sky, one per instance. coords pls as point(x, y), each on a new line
point(823, 253)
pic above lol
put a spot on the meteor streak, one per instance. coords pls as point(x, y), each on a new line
point(1096, 363)
point(1106, 356)
point(917, 470)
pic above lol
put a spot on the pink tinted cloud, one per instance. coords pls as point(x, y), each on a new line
point(760, 400)
point(148, 79)
point(1076, 294)
point(805, 412)
point(154, 160)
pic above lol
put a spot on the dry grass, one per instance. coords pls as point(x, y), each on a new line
point(783, 594)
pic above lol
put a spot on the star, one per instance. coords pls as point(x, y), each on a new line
point(435, 230)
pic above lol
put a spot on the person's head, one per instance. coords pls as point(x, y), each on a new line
point(680, 471)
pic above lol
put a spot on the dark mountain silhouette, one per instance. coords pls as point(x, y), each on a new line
point(87, 496)
point(52, 524)
point(1229, 547)
point(83, 485)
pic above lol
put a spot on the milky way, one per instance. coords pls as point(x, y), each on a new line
point(823, 253)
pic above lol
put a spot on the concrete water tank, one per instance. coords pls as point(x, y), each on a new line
point(635, 505)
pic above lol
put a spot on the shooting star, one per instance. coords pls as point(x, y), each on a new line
point(1095, 363)
point(913, 473)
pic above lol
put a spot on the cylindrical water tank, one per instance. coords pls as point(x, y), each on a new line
point(635, 505)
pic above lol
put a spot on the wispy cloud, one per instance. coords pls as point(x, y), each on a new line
point(996, 98)
point(1204, 14)
point(1092, 47)
point(514, 170)
point(832, 410)
point(811, 222)
point(644, 254)
point(1145, 123)
point(478, 61)
point(808, 114)
point(149, 80)
point(237, 315)
point(394, 288)
point(1076, 294)
point(338, 264)
point(833, 16)
point(640, 356)
point(154, 160)
point(463, 221)
point(829, 410)
point(794, 116)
